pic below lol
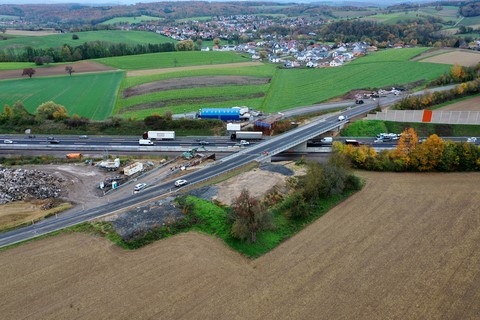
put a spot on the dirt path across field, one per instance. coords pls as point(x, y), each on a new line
point(55, 70)
point(135, 73)
point(405, 247)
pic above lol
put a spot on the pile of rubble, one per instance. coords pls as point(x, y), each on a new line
point(23, 184)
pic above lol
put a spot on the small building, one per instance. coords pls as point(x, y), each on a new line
point(224, 114)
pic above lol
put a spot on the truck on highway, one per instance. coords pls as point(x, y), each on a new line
point(145, 142)
point(246, 135)
point(159, 135)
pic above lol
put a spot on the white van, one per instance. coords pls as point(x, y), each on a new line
point(327, 140)
point(145, 142)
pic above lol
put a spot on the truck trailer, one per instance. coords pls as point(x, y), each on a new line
point(159, 135)
point(246, 135)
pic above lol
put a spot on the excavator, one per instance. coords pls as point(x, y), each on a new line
point(192, 153)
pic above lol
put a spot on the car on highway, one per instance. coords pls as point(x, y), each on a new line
point(242, 143)
point(472, 139)
point(342, 118)
point(7, 141)
point(139, 187)
point(203, 142)
point(54, 141)
point(83, 136)
point(50, 138)
point(180, 183)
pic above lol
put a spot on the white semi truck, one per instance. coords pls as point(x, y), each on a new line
point(159, 135)
point(246, 135)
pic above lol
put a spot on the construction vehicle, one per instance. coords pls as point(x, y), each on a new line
point(74, 156)
point(192, 153)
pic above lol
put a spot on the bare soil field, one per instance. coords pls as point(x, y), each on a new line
point(55, 70)
point(192, 82)
point(405, 247)
point(31, 33)
point(472, 104)
point(466, 58)
point(134, 73)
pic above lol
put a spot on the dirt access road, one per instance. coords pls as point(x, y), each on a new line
point(405, 247)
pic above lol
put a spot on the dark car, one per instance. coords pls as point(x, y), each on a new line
point(54, 141)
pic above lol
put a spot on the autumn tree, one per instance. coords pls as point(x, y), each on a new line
point(406, 144)
point(20, 115)
point(51, 111)
point(217, 42)
point(28, 72)
point(428, 154)
point(249, 217)
point(457, 72)
point(69, 70)
point(186, 45)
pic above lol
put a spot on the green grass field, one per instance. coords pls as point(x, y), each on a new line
point(172, 60)
point(288, 88)
point(58, 40)
point(16, 65)
point(88, 95)
point(99, 96)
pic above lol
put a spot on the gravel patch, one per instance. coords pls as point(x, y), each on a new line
point(277, 168)
point(142, 219)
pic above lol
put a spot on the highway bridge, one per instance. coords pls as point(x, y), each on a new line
point(258, 152)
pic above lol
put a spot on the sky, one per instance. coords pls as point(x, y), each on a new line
point(127, 2)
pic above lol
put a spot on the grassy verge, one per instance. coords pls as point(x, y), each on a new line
point(23, 213)
point(370, 128)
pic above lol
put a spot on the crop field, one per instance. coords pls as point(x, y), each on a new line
point(407, 246)
point(448, 13)
point(290, 88)
point(171, 60)
point(473, 22)
point(285, 89)
point(131, 20)
point(211, 92)
point(59, 39)
point(88, 95)
point(15, 65)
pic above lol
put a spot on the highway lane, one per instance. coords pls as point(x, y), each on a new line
point(257, 152)
point(244, 156)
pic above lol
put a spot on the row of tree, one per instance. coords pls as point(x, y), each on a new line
point(87, 50)
point(469, 84)
point(433, 154)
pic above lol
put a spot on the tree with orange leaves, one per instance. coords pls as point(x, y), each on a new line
point(428, 154)
point(406, 144)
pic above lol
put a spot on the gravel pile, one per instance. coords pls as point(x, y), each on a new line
point(142, 219)
point(24, 184)
point(277, 168)
point(206, 193)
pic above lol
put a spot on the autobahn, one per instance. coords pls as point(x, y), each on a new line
point(262, 151)
point(258, 152)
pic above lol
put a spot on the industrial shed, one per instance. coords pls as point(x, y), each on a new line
point(225, 114)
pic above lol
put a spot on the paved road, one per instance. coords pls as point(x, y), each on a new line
point(259, 152)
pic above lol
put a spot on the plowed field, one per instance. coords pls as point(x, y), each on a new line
point(406, 247)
